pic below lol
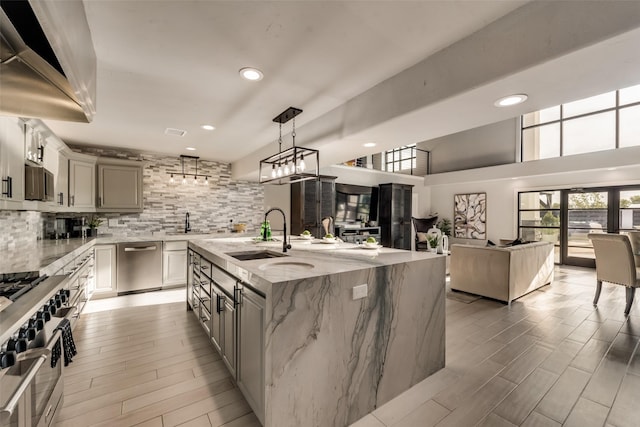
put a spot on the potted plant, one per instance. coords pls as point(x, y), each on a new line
point(445, 226)
point(93, 226)
point(433, 242)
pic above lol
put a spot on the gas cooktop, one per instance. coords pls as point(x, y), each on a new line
point(13, 286)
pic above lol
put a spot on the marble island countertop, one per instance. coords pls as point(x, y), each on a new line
point(305, 259)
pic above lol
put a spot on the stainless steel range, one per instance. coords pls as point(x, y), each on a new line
point(31, 310)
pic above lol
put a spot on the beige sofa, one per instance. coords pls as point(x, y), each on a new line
point(502, 273)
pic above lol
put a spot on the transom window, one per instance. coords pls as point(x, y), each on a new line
point(401, 158)
point(603, 122)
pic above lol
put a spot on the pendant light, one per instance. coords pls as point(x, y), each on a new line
point(186, 174)
point(289, 166)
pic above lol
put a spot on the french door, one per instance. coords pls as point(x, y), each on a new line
point(566, 217)
point(584, 212)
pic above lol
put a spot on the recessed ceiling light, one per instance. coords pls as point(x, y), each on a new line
point(611, 169)
point(190, 149)
point(252, 74)
point(369, 144)
point(207, 127)
point(510, 100)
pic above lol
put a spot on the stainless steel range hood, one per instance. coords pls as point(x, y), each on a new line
point(43, 79)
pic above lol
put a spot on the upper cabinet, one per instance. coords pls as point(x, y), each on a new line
point(82, 183)
point(119, 186)
point(311, 201)
point(11, 162)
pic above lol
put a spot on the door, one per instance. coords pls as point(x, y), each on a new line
point(174, 267)
point(229, 323)
point(105, 269)
point(585, 212)
point(251, 350)
point(119, 187)
point(82, 184)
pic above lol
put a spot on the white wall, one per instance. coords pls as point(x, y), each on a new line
point(488, 145)
point(278, 196)
point(502, 183)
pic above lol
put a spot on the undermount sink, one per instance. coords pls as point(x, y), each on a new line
point(287, 265)
point(251, 255)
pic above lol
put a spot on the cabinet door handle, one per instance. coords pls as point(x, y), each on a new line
point(237, 296)
point(73, 200)
point(219, 303)
point(99, 201)
point(9, 186)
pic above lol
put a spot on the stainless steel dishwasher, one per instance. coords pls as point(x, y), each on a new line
point(139, 267)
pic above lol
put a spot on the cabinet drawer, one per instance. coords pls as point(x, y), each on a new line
point(175, 246)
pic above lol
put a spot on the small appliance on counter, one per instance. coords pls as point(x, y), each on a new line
point(68, 228)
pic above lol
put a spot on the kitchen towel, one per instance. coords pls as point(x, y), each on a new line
point(67, 341)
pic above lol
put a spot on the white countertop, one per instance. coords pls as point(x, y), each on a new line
point(305, 259)
point(48, 256)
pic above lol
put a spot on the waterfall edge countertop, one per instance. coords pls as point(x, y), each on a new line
point(49, 256)
point(331, 356)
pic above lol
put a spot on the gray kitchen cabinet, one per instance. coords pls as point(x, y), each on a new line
point(250, 372)
point(230, 334)
point(119, 186)
point(311, 201)
point(395, 215)
point(234, 322)
point(82, 183)
point(11, 163)
point(174, 263)
point(105, 271)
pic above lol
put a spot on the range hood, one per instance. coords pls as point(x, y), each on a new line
point(47, 61)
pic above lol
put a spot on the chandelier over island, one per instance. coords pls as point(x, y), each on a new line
point(294, 164)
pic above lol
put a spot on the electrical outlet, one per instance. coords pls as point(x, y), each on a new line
point(360, 291)
point(113, 222)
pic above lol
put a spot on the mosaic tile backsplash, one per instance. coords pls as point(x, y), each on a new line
point(212, 208)
point(19, 230)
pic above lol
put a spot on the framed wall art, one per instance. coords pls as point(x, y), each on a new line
point(470, 216)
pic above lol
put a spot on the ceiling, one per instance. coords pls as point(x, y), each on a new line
point(347, 64)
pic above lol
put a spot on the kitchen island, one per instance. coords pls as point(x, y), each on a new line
point(328, 355)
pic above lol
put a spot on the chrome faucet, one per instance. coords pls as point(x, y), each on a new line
point(187, 225)
point(285, 245)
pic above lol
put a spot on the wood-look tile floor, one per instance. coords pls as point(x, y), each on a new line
point(550, 359)
point(148, 365)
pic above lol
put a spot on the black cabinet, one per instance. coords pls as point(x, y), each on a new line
point(394, 216)
point(311, 201)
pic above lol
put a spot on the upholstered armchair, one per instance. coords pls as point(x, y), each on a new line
point(634, 238)
point(615, 263)
point(422, 225)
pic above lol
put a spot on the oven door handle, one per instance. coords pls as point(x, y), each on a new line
point(22, 387)
point(42, 355)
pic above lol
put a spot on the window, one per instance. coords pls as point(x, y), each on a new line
point(401, 158)
point(602, 122)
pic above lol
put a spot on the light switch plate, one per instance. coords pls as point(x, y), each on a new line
point(360, 291)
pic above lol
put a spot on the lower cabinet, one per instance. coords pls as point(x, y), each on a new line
point(105, 274)
point(250, 372)
point(230, 332)
point(232, 315)
point(174, 263)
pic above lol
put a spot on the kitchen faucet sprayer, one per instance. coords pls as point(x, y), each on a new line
point(285, 245)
